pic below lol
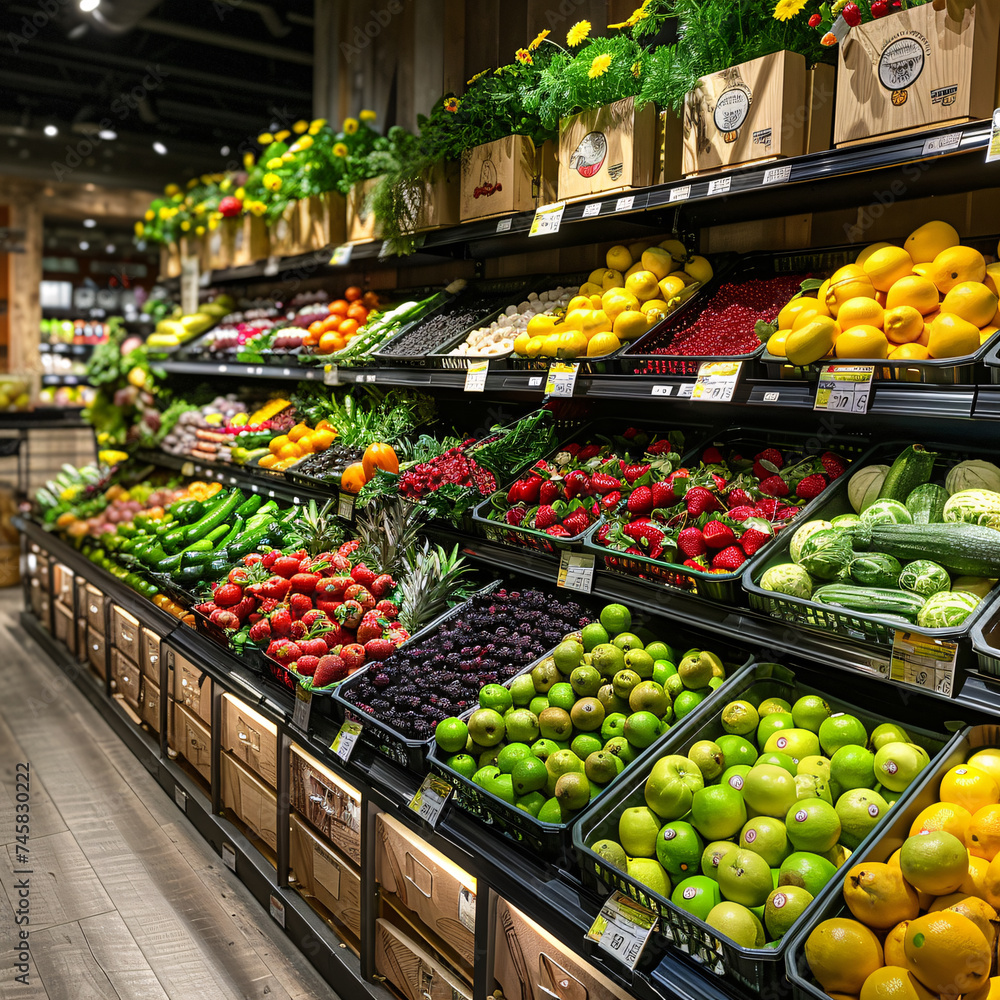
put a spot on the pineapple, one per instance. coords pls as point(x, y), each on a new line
point(317, 529)
point(432, 579)
point(387, 529)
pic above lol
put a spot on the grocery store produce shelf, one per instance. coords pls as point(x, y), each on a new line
point(54, 379)
point(73, 350)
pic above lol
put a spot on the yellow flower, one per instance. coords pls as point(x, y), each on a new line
point(538, 39)
point(258, 208)
point(305, 142)
point(139, 229)
point(523, 56)
point(599, 66)
point(639, 14)
point(170, 190)
point(287, 157)
point(248, 161)
point(316, 125)
point(199, 209)
point(481, 73)
point(186, 225)
point(178, 197)
point(451, 104)
point(281, 136)
point(577, 34)
point(367, 115)
point(274, 163)
point(272, 182)
point(339, 149)
point(199, 231)
point(193, 183)
point(787, 9)
point(164, 214)
point(150, 215)
point(213, 223)
point(240, 193)
point(637, 68)
point(300, 126)
point(206, 178)
point(225, 184)
point(265, 139)
point(350, 125)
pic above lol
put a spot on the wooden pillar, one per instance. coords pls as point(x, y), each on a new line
point(25, 274)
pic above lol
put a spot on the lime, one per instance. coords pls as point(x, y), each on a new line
point(538, 704)
point(771, 723)
point(687, 701)
point(451, 734)
point(714, 854)
point(642, 729)
point(593, 635)
point(568, 655)
point(626, 641)
point(585, 744)
point(616, 618)
point(462, 763)
point(678, 849)
point(841, 731)
point(809, 712)
point(718, 811)
point(613, 725)
point(736, 750)
point(853, 767)
point(781, 759)
point(531, 803)
point(650, 873)
point(735, 776)
point(807, 870)
point(812, 825)
point(562, 695)
point(511, 755)
point(662, 669)
point(612, 852)
point(620, 747)
point(771, 705)
point(552, 812)
point(529, 775)
point(783, 907)
point(495, 696)
point(659, 650)
point(697, 894)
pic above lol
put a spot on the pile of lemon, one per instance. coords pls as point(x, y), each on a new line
point(642, 284)
point(923, 923)
point(929, 299)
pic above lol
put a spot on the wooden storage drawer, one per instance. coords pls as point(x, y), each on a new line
point(43, 612)
point(81, 639)
point(191, 738)
point(62, 584)
point(94, 605)
point(250, 738)
point(125, 629)
point(149, 702)
point(191, 686)
point(254, 804)
point(64, 629)
point(426, 883)
point(323, 874)
point(415, 973)
point(328, 802)
point(149, 654)
point(125, 677)
point(95, 651)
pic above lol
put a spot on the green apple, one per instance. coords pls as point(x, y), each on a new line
point(709, 758)
point(660, 651)
point(621, 747)
point(544, 674)
point(567, 656)
point(718, 812)
point(696, 669)
point(522, 726)
point(770, 705)
point(531, 803)
point(555, 724)
point(642, 729)
point(641, 662)
point(585, 744)
point(671, 786)
point(624, 681)
point(587, 715)
point(783, 907)
point(611, 702)
point(745, 878)
point(662, 669)
point(612, 852)
point(511, 754)
point(502, 786)
point(560, 763)
point(697, 894)
point(797, 743)
point(607, 658)
point(628, 640)
point(586, 681)
point(462, 763)
point(649, 872)
point(486, 727)
point(613, 725)
point(896, 765)
point(686, 701)
point(572, 790)
point(561, 695)
point(736, 923)
point(485, 774)
point(451, 734)
point(602, 767)
point(538, 704)
point(769, 790)
point(544, 748)
point(765, 835)
point(678, 849)
point(529, 775)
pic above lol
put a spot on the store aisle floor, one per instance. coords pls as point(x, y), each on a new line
point(126, 900)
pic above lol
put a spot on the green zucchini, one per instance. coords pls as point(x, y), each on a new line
point(876, 569)
point(926, 504)
point(913, 468)
point(963, 549)
point(870, 600)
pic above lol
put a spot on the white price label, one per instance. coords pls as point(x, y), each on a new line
point(229, 856)
point(576, 572)
point(189, 285)
point(622, 929)
point(923, 662)
point(342, 255)
point(680, 193)
point(624, 204)
point(187, 469)
point(772, 397)
point(561, 380)
point(503, 225)
point(277, 910)
point(717, 381)
point(303, 708)
point(535, 381)
point(662, 390)
point(271, 267)
point(548, 219)
point(942, 144)
point(720, 185)
point(331, 375)
point(345, 740)
point(430, 799)
point(993, 150)
point(845, 388)
point(345, 506)
point(777, 175)
point(594, 208)
point(475, 376)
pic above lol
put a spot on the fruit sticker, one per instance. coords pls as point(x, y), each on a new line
point(779, 899)
point(751, 836)
point(736, 781)
point(669, 833)
point(690, 892)
point(873, 810)
point(590, 155)
point(801, 816)
point(889, 767)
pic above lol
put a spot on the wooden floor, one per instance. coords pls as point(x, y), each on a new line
point(127, 901)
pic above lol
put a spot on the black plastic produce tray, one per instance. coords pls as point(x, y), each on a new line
point(985, 639)
point(754, 971)
point(872, 628)
point(727, 587)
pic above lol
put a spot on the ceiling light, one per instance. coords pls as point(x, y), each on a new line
point(89, 223)
point(110, 248)
point(50, 130)
point(88, 5)
point(158, 147)
point(224, 151)
point(107, 134)
point(84, 245)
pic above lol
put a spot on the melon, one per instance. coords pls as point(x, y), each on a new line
point(974, 474)
point(865, 486)
point(886, 512)
point(802, 533)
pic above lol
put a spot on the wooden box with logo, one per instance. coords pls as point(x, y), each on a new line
point(323, 220)
point(917, 69)
point(360, 219)
point(508, 175)
point(607, 149)
point(435, 198)
point(764, 109)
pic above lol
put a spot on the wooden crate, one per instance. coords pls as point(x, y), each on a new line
point(125, 632)
point(426, 883)
point(764, 109)
point(196, 246)
point(125, 678)
point(285, 234)
point(250, 738)
point(436, 198)
point(63, 584)
point(611, 148)
point(64, 630)
point(191, 738)
point(81, 640)
point(94, 609)
point(323, 220)
point(220, 245)
point(412, 970)
point(361, 223)
point(170, 260)
point(917, 69)
point(149, 703)
point(96, 656)
point(149, 654)
point(323, 874)
point(330, 804)
point(191, 686)
point(251, 801)
point(669, 148)
point(251, 240)
point(508, 175)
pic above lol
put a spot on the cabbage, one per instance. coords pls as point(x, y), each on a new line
point(787, 579)
point(886, 512)
point(802, 533)
point(826, 553)
point(924, 577)
point(973, 474)
point(845, 520)
point(980, 507)
point(947, 609)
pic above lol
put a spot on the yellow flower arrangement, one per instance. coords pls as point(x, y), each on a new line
point(193, 183)
point(274, 163)
point(316, 125)
point(240, 193)
point(523, 56)
point(350, 125)
point(340, 149)
point(599, 66)
point(186, 225)
point(170, 190)
point(537, 40)
point(367, 115)
point(248, 161)
point(272, 182)
point(481, 73)
point(787, 9)
point(451, 104)
point(199, 231)
point(300, 126)
point(281, 136)
point(140, 228)
point(164, 214)
point(306, 142)
point(578, 33)
point(288, 157)
point(265, 139)
point(150, 215)
point(639, 14)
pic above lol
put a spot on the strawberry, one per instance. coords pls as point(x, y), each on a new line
point(329, 608)
point(362, 574)
point(729, 559)
point(834, 465)
point(515, 516)
point(774, 486)
point(304, 583)
point(577, 484)
point(340, 636)
point(206, 609)
point(239, 575)
point(381, 585)
point(328, 588)
point(298, 630)
point(270, 559)
point(721, 483)
point(379, 649)
point(398, 636)
point(557, 531)
point(739, 498)
point(611, 500)
point(640, 503)
point(329, 670)
point(313, 647)
point(387, 609)
point(663, 495)
point(284, 651)
point(224, 618)
point(754, 537)
point(286, 566)
point(594, 510)
point(718, 535)
point(548, 493)
point(252, 559)
point(267, 605)
point(545, 517)
point(771, 456)
point(644, 533)
point(311, 618)
point(577, 522)
point(697, 563)
point(353, 656)
point(711, 456)
point(355, 592)
point(349, 614)
point(742, 513)
point(299, 604)
point(783, 513)
point(661, 447)
point(275, 587)
point(370, 629)
point(348, 547)
point(306, 665)
point(603, 531)
point(634, 472)
point(586, 454)
point(227, 595)
point(699, 500)
point(691, 542)
point(245, 608)
point(260, 631)
point(342, 563)
point(811, 486)
point(629, 433)
point(281, 622)
point(602, 483)
point(766, 507)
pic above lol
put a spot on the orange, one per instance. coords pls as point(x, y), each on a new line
point(955, 265)
point(886, 266)
point(339, 307)
point(268, 461)
point(328, 342)
point(909, 352)
point(848, 283)
point(952, 337)
point(903, 325)
point(896, 982)
point(973, 301)
point(862, 342)
point(277, 443)
point(947, 816)
point(975, 882)
point(352, 294)
point(914, 290)
point(322, 439)
point(861, 311)
point(968, 786)
point(842, 954)
point(988, 761)
point(348, 327)
point(290, 451)
point(357, 311)
point(379, 456)
point(353, 478)
point(983, 833)
point(298, 432)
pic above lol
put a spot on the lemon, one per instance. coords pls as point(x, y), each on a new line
point(539, 326)
point(893, 945)
point(521, 343)
point(861, 310)
point(618, 259)
point(955, 265)
point(634, 269)
point(842, 954)
point(602, 343)
point(651, 874)
point(879, 896)
point(973, 301)
point(577, 317)
point(597, 276)
point(992, 279)
point(903, 325)
point(676, 249)
point(776, 343)
point(868, 251)
point(966, 785)
point(916, 291)
point(923, 270)
point(630, 324)
point(791, 310)
point(987, 332)
point(974, 883)
point(952, 337)
point(617, 301)
point(612, 279)
point(578, 302)
point(947, 953)
point(947, 816)
point(862, 342)
point(572, 344)
point(654, 305)
point(550, 345)
point(977, 910)
point(982, 834)
point(935, 862)
point(643, 285)
point(592, 288)
point(534, 347)
point(886, 266)
point(699, 269)
point(671, 285)
point(659, 262)
point(596, 322)
point(636, 249)
point(595, 299)
point(811, 342)
point(896, 982)
point(805, 316)
point(848, 283)
point(908, 352)
point(931, 239)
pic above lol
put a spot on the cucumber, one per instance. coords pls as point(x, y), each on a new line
point(876, 569)
point(911, 469)
point(926, 504)
point(963, 549)
point(870, 600)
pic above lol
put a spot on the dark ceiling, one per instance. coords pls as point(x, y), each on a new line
point(193, 76)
